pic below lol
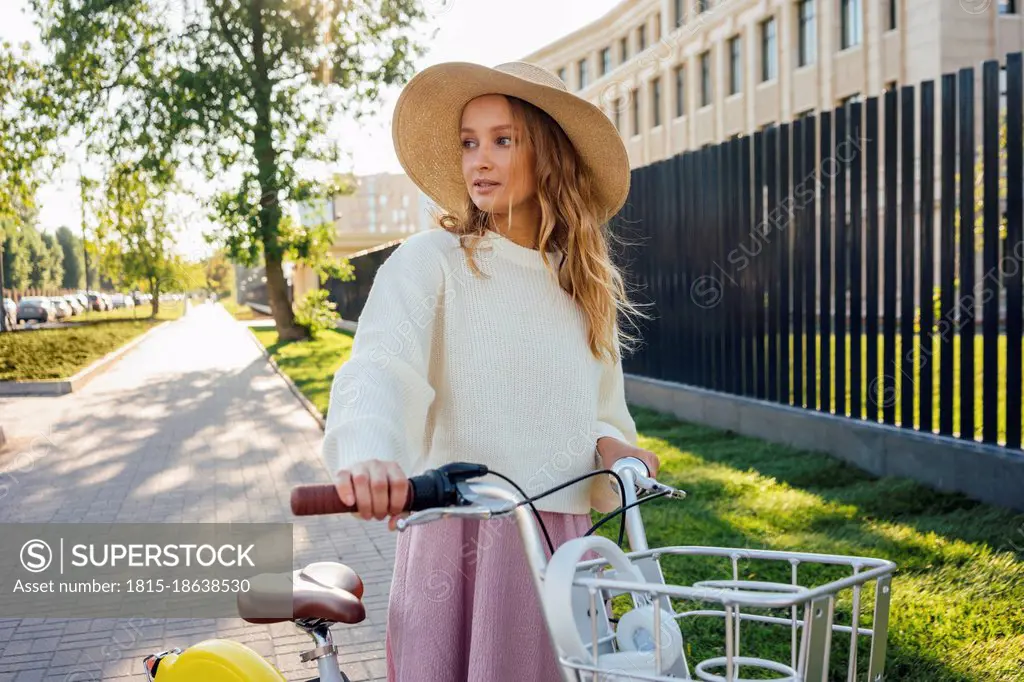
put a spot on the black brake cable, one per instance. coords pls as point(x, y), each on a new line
point(531, 500)
point(621, 510)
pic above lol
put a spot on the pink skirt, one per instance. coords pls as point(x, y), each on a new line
point(463, 607)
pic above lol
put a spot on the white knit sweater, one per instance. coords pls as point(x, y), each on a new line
point(447, 366)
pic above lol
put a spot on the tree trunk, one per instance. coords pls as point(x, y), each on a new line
point(154, 288)
point(270, 208)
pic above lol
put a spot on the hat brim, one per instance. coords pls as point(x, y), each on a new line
point(428, 116)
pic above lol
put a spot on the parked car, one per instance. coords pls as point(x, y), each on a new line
point(60, 307)
point(76, 306)
point(10, 312)
point(122, 301)
point(98, 301)
point(83, 300)
point(36, 309)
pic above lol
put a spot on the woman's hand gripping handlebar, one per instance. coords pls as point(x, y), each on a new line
point(432, 489)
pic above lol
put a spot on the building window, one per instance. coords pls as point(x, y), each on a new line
point(893, 9)
point(634, 99)
point(606, 60)
point(735, 66)
point(657, 27)
point(641, 37)
point(769, 51)
point(702, 6)
point(850, 23)
point(1007, 6)
point(562, 74)
point(808, 33)
point(891, 85)
point(705, 79)
point(804, 114)
point(680, 12)
point(623, 50)
point(680, 91)
point(656, 102)
point(582, 71)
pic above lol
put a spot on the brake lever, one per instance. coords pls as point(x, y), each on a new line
point(430, 515)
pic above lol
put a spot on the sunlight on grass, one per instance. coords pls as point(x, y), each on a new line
point(310, 364)
point(960, 582)
point(49, 354)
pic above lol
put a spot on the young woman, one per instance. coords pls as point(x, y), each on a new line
point(493, 339)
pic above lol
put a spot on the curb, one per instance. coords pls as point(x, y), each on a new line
point(310, 407)
point(58, 387)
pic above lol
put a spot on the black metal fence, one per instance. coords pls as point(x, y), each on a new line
point(842, 262)
point(839, 263)
point(350, 296)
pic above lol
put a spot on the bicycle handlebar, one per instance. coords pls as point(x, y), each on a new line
point(434, 488)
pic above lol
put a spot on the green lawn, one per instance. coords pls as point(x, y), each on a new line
point(310, 364)
point(242, 312)
point(47, 354)
point(932, 363)
point(956, 612)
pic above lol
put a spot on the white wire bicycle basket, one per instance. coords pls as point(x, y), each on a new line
point(758, 615)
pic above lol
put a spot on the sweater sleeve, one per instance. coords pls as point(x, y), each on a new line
point(614, 420)
point(381, 395)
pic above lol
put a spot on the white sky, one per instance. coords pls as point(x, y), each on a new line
point(483, 31)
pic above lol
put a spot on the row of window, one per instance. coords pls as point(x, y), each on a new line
point(851, 34)
point(680, 97)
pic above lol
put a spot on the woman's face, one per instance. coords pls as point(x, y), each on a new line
point(487, 157)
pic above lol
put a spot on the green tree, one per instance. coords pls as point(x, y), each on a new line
point(239, 88)
point(219, 274)
point(134, 232)
point(71, 246)
point(27, 130)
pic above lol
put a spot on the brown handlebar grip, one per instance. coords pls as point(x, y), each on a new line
point(310, 500)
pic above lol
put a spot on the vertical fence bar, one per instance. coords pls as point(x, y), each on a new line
point(810, 260)
point(760, 281)
point(719, 310)
point(685, 255)
point(798, 237)
point(825, 262)
point(747, 276)
point(731, 302)
point(889, 368)
point(784, 238)
point(908, 258)
point(966, 307)
point(700, 232)
point(991, 279)
point(1014, 252)
point(740, 235)
point(947, 255)
point(674, 225)
point(926, 352)
point(871, 374)
point(772, 266)
point(841, 253)
point(856, 197)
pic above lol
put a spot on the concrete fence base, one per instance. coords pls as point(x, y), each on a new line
point(986, 473)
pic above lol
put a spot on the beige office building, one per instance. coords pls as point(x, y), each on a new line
point(384, 208)
point(676, 75)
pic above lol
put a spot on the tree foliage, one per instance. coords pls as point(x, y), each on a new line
point(245, 89)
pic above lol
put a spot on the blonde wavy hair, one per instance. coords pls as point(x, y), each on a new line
point(569, 225)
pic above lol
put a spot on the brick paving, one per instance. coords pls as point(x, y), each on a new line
point(191, 426)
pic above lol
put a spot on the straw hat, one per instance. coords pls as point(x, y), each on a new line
point(429, 113)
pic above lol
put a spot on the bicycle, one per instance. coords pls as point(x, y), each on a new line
point(578, 596)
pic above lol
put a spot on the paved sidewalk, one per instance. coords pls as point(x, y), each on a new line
point(191, 426)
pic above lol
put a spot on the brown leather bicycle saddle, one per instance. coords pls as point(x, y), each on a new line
point(324, 589)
